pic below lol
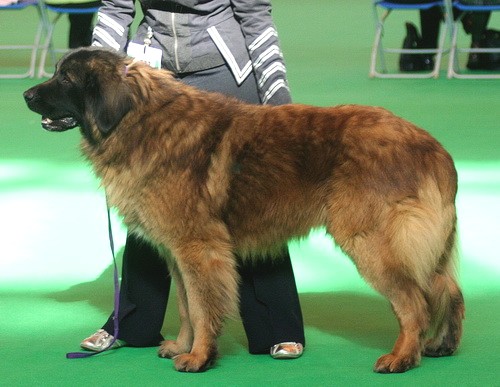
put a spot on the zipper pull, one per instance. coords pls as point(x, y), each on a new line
point(147, 39)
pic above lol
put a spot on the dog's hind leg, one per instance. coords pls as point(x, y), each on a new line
point(210, 279)
point(184, 341)
point(447, 307)
point(385, 271)
point(379, 264)
point(398, 255)
point(410, 307)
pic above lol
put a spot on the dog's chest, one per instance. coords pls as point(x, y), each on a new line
point(123, 192)
point(143, 198)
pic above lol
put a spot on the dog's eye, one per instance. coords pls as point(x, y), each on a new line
point(65, 79)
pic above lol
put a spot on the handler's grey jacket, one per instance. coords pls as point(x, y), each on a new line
point(196, 35)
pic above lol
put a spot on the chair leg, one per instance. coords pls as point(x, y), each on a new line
point(34, 52)
point(377, 52)
point(48, 48)
point(453, 61)
point(439, 55)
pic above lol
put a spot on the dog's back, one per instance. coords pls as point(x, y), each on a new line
point(303, 167)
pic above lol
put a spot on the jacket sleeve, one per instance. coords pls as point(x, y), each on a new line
point(113, 23)
point(262, 42)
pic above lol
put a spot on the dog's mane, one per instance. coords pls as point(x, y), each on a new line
point(144, 80)
point(186, 114)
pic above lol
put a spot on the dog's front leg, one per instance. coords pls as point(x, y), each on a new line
point(208, 271)
point(184, 341)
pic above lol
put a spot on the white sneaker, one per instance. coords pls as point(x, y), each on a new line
point(287, 350)
point(100, 341)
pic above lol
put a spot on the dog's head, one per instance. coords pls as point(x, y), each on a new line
point(87, 90)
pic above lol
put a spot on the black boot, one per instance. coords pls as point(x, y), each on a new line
point(414, 62)
point(485, 60)
point(474, 62)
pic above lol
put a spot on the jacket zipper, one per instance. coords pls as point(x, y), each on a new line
point(176, 44)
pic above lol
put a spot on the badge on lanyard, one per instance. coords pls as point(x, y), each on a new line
point(144, 52)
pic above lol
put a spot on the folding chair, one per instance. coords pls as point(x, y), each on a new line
point(48, 47)
point(36, 45)
point(381, 11)
point(454, 69)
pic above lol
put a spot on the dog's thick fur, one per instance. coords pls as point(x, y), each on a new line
point(204, 178)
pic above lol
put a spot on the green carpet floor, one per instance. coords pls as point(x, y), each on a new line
point(56, 282)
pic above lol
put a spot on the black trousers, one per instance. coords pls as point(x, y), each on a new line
point(269, 303)
point(430, 19)
point(80, 24)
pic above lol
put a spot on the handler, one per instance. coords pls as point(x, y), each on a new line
point(228, 46)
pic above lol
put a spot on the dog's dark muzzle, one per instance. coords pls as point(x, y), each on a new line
point(30, 96)
point(51, 124)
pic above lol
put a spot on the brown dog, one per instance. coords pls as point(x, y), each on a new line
point(202, 177)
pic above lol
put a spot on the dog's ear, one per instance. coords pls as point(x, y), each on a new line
point(109, 102)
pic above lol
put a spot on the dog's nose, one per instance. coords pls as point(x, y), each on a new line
point(29, 95)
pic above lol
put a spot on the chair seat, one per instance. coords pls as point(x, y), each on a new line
point(475, 8)
point(396, 5)
point(19, 5)
point(71, 10)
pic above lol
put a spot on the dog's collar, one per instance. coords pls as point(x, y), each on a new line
point(127, 67)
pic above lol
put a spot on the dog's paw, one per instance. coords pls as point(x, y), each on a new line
point(389, 364)
point(172, 348)
point(438, 348)
point(190, 362)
